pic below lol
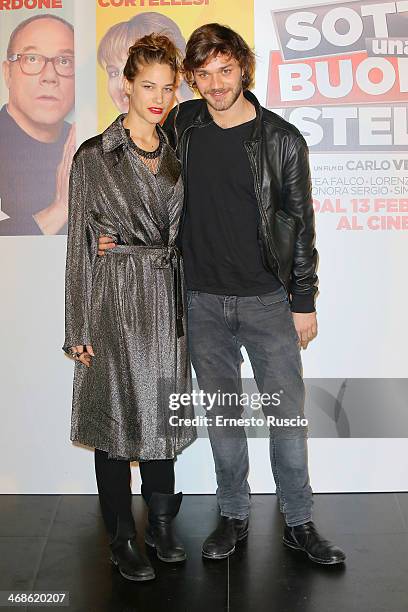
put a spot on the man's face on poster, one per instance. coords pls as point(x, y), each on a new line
point(45, 98)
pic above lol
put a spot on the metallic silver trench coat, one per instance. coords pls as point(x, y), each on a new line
point(128, 304)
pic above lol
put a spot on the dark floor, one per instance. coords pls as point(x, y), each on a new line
point(57, 542)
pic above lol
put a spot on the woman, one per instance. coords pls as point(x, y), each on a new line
point(113, 51)
point(125, 323)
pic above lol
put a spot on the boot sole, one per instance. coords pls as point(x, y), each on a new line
point(206, 555)
point(294, 546)
point(132, 578)
point(165, 559)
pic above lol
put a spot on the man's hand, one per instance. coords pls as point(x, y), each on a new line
point(105, 243)
point(84, 357)
point(63, 170)
point(53, 218)
point(306, 327)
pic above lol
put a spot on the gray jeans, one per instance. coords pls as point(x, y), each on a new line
point(218, 326)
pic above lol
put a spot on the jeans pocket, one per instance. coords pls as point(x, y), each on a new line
point(275, 297)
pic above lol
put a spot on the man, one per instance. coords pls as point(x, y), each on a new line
point(247, 238)
point(37, 145)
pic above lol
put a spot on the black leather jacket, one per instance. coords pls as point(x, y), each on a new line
point(279, 160)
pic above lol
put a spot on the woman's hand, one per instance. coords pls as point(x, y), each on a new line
point(85, 357)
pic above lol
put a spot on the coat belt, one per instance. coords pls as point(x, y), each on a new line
point(163, 257)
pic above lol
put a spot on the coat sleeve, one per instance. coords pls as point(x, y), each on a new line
point(298, 203)
point(81, 253)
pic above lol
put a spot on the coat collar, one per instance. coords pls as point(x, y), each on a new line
point(117, 135)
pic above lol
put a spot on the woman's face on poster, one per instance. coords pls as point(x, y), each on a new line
point(116, 86)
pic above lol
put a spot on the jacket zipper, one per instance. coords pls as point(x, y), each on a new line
point(271, 247)
point(184, 164)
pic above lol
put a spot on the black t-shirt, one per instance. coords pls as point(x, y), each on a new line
point(219, 238)
point(27, 176)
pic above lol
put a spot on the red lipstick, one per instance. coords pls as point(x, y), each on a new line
point(156, 110)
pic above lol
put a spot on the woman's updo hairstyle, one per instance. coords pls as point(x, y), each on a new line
point(150, 49)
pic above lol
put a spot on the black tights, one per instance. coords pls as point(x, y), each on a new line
point(115, 494)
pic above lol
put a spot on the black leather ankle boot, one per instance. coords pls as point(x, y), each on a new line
point(220, 544)
point(125, 554)
point(160, 534)
point(307, 539)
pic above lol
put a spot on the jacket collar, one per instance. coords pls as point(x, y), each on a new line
point(117, 135)
point(204, 117)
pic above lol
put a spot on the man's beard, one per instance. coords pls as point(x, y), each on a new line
point(227, 102)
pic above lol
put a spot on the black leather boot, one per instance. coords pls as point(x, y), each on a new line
point(307, 539)
point(160, 534)
point(125, 554)
point(220, 544)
